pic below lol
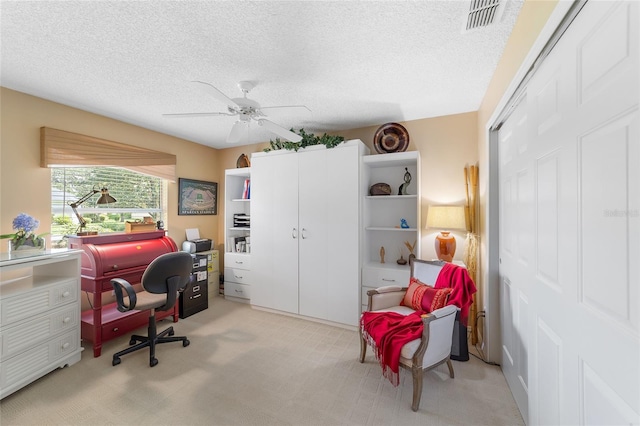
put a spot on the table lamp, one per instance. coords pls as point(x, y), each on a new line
point(105, 198)
point(445, 218)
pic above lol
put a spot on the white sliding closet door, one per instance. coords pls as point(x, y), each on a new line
point(569, 173)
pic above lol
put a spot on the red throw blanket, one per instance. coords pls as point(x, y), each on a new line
point(462, 286)
point(387, 333)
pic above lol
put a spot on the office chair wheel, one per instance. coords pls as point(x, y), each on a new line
point(171, 332)
point(185, 343)
point(116, 361)
point(132, 342)
point(153, 362)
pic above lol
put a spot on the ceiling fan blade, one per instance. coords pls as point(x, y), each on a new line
point(280, 131)
point(237, 131)
point(195, 114)
point(287, 106)
point(214, 92)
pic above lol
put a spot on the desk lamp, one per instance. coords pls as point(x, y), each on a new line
point(446, 218)
point(105, 198)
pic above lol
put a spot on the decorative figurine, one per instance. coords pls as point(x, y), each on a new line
point(382, 254)
point(403, 223)
point(407, 180)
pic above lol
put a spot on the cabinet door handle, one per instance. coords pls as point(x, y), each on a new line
point(294, 233)
point(304, 237)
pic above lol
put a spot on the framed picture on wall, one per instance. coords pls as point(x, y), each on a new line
point(197, 197)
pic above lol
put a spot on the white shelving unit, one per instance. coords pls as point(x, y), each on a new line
point(237, 258)
point(382, 216)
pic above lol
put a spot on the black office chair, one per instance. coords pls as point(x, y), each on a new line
point(162, 281)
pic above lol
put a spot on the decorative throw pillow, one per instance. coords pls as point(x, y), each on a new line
point(435, 298)
point(421, 297)
point(413, 296)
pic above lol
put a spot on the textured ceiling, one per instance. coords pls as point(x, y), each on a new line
point(352, 63)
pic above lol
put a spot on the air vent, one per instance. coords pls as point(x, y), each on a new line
point(483, 13)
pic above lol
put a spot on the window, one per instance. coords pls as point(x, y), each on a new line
point(138, 195)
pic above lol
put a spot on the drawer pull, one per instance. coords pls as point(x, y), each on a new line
point(196, 296)
point(387, 279)
point(66, 320)
point(239, 262)
point(115, 329)
point(65, 294)
point(196, 288)
point(238, 291)
point(66, 345)
point(238, 277)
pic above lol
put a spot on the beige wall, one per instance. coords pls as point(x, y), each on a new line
point(446, 145)
point(26, 187)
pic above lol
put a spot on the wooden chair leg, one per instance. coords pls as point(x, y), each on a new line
point(363, 347)
point(450, 368)
point(417, 374)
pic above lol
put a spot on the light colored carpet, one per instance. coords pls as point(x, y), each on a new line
point(249, 367)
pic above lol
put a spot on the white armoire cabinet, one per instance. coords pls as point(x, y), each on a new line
point(306, 209)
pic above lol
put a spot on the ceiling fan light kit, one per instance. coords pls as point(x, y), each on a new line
point(245, 109)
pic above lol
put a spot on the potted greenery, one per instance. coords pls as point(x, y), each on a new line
point(24, 238)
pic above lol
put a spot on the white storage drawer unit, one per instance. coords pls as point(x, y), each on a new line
point(39, 315)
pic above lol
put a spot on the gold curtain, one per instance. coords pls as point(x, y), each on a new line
point(471, 246)
point(59, 148)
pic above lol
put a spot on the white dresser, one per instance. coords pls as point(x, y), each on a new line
point(39, 315)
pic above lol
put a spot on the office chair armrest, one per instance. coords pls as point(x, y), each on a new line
point(119, 284)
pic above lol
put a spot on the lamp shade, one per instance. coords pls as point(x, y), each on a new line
point(105, 198)
point(446, 218)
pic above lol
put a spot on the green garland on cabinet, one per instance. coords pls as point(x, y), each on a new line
point(308, 139)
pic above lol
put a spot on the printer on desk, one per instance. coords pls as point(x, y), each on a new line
point(197, 245)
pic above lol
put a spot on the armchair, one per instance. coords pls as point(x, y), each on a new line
point(162, 281)
point(433, 347)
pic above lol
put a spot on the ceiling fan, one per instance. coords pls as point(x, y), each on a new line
point(246, 109)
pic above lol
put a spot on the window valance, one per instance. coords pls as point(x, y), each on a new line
point(59, 148)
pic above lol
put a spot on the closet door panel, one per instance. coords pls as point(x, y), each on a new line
point(313, 205)
point(275, 231)
point(343, 235)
